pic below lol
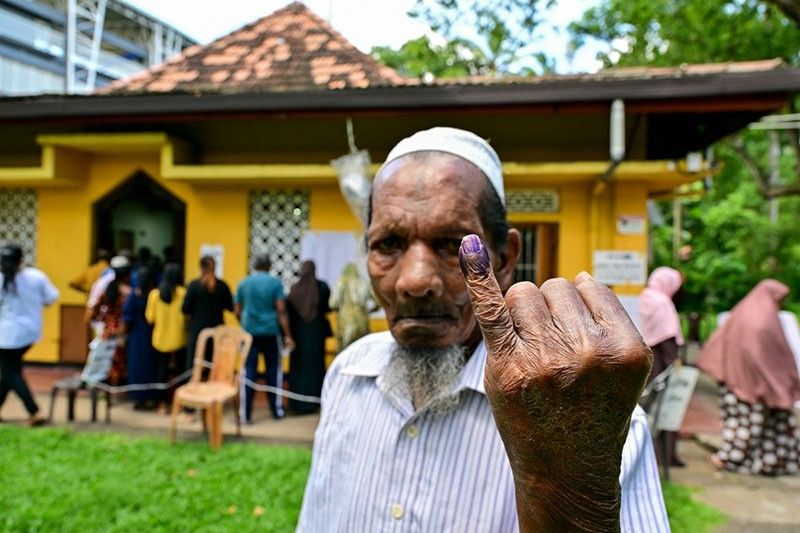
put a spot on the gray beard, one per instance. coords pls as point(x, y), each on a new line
point(426, 375)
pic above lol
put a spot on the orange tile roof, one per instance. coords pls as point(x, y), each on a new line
point(292, 49)
point(624, 73)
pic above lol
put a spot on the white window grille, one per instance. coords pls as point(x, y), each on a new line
point(18, 220)
point(278, 220)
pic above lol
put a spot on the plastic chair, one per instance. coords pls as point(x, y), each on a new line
point(231, 346)
point(71, 386)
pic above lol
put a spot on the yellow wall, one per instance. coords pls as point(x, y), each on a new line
point(219, 214)
point(573, 228)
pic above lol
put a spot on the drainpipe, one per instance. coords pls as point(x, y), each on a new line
point(616, 154)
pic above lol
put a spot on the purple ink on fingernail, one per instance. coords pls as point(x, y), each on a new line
point(471, 244)
point(473, 256)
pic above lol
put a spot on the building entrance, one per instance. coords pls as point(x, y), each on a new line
point(539, 254)
point(140, 213)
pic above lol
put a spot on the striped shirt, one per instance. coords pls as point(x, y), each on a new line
point(378, 465)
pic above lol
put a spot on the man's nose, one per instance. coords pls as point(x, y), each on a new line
point(420, 276)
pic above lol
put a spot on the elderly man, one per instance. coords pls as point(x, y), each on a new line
point(478, 411)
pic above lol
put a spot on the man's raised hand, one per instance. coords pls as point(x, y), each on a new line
point(564, 370)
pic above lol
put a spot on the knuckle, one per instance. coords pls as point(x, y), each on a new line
point(555, 284)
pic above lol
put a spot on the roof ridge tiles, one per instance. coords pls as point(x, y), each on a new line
point(276, 53)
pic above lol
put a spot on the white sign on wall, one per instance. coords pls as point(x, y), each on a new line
point(217, 251)
point(631, 225)
point(615, 267)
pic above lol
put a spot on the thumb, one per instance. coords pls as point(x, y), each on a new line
point(488, 303)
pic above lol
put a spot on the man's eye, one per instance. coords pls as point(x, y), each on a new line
point(387, 245)
point(449, 246)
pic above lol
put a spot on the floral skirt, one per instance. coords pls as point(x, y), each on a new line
point(756, 438)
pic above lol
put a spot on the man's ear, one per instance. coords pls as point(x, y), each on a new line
point(508, 260)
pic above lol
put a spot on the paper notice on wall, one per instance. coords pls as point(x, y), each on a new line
point(631, 225)
point(217, 251)
point(616, 267)
point(330, 251)
point(672, 407)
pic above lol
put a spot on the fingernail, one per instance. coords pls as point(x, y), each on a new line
point(473, 256)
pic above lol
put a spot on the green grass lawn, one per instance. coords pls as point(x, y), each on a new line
point(58, 480)
point(686, 514)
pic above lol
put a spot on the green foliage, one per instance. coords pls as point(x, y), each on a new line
point(56, 480)
point(671, 32)
point(504, 28)
point(686, 514)
point(734, 243)
point(419, 57)
point(483, 37)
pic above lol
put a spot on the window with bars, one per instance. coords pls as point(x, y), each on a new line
point(278, 220)
point(538, 254)
point(18, 220)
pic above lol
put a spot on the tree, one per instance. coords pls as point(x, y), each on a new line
point(672, 32)
point(735, 242)
point(419, 58)
point(483, 37)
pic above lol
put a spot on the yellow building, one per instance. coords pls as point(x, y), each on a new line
point(226, 150)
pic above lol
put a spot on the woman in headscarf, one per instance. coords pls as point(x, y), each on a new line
point(351, 299)
point(661, 331)
point(307, 305)
point(164, 313)
point(754, 364)
point(206, 300)
point(141, 359)
point(23, 294)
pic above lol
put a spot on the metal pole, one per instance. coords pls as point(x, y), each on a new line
point(97, 40)
point(774, 175)
point(69, 54)
point(676, 228)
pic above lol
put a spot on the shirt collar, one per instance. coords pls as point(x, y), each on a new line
point(373, 366)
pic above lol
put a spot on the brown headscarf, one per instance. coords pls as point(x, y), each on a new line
point(304, 295)
point(749, 353)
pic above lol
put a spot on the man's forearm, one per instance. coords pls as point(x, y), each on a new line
point(545, 506)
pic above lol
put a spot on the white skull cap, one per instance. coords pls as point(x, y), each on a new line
point(461, 143)
point(119, 261)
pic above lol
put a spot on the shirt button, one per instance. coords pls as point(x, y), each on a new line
point(412, 431)
point(397, 511)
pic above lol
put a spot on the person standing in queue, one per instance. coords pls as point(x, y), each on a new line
point(261, 307)
point(207, 298)
point(307, 304)
point(661, 331)
point(163, 312)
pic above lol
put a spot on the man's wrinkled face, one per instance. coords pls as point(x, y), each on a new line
point(421, 208)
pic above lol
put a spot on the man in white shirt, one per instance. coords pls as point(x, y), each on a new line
point(23, 294)
point(487, 406)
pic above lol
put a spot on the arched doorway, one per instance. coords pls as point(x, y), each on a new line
point(141, 213)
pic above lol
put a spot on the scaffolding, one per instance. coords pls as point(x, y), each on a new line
point(88, 23)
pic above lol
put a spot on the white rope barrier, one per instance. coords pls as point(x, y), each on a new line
point(280, 392)
point(119, 389)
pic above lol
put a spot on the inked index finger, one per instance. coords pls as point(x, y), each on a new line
point(488, 303)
